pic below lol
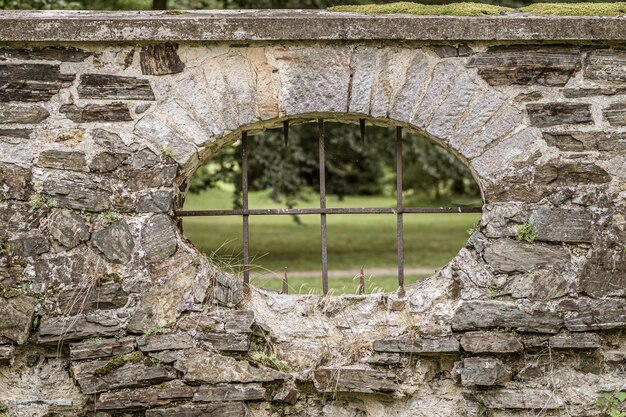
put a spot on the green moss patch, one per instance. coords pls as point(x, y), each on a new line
point(117, 362)
point(577, 9)
point(270, 361)
point(454, 9)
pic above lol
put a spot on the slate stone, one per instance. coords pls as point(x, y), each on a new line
point(228, 342)
point(508, 255)
point(32, 82)
point(16, 318)
point(106, 296)
point(114, 112)
point(159, 201)
point(484, 372)
point(68, 228)
point(114, 87)
point(419, 346)
point(7, 352)
point(450, 51)
point(143, 159)
point(542, 284)
point(586, 141)
point(32, 244)
point(594, 91)
point(101, 348)
point(605, 65)
point(77, 191)
point(46, 53)
point(111, 141)
point(337, 379)
point(128, 376)
point(115, 242)
point(66, 160)
point(142, 398)
point(560, 173)
point(562, 225)
point(286, 393)
point(161, 59)
point(70, 268)
point(158, 238)
point(106, 161)
point(479, 314)
point(200, 366)
point(615, 114)
point(15, 182)
point(490, 342)
point(229, 291)
point(554, 114)
point(11, 134)
point(547, 65)
point(161, 342)
point(576, 341)
point(604, 273)
point(164, 136)
point(589, 314)
point(233, 409)
point(140, 179)
point(523, 398)
point(230, 392)
point(76, 328)
point(20, 114)
point(236, 321)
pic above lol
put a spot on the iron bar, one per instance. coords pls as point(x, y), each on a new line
point(285, 283)
point(362, 130)
point(361, 282)
point(337, 210)
point(399, 213)
point(244, 205)
point(322, 162)
point(286, 133)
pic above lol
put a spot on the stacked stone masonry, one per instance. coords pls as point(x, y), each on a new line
point(106, 309)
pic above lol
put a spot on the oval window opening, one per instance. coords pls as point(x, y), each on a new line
point(338, 227)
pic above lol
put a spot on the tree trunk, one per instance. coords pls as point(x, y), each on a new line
point(159, 4)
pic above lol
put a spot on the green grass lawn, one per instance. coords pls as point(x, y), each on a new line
point(276, 242)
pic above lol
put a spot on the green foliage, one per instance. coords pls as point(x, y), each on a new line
point(526, 232)
point(153, 331)
point(4, 410)
point(110, 217)
point(577, 9)
point(165, 152)
point(610, 404)
point(270, 361)
point(117, 362)
point(39, 201)
point(452, 9)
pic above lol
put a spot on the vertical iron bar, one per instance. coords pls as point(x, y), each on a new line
point(362, 130)
point(400, 227)
point(244, 205)
point(322, 157)
point(285, 283)
point(361, 282)
point(286, 133)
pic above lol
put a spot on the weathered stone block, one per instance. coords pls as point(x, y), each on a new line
point(593, 91)
point(615, 114)
point(233, 342)
point(75, 328)
point(286, 393)
point(451, 51)
point(233, 409)
point(7, 352)
point(107, 161)
point(588, 314)
point(560, 173)
point(577, 341)
point(490, 342)
point(155, 202)
point(46, 53)
point(77, 191)
point(554, 114)
point(472, 315)
point(104, 86)
point(32, 244)
point(142, 398)
point(355, 380)
point(15, 113)
point(562, 225)
point(587, 141)
point(484, 372)
point(15, 182)
point(157, 343)
point(16, 318)
point(418, 345)
point(160, 60)
point(166, 138)
point(114, 112)
point(200, 366)
point(508, 255)
point(115, 242)
point(606, 65)
point(524, 398)
point(32, 82)
point(67, 160)
point(158, 238)
point(101, 348)
point(549, 65)
point(89, 298)
point(604, 273)
point(230, 392)
point(67, 227)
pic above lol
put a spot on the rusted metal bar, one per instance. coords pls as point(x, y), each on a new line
point(337, 210)
point(362, 130)
point(399, 214)
point(322, 162)
point(244, 205)
point(285, 283)
point(286, 133)
point(361, 282)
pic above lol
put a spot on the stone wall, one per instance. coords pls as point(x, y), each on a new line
point(108, 310)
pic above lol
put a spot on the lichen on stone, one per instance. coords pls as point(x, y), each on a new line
point(117, 362)
point(454, 9)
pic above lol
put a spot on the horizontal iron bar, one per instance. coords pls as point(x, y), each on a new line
point(298, 211)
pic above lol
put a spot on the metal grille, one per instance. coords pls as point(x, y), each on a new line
point(323, 211)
